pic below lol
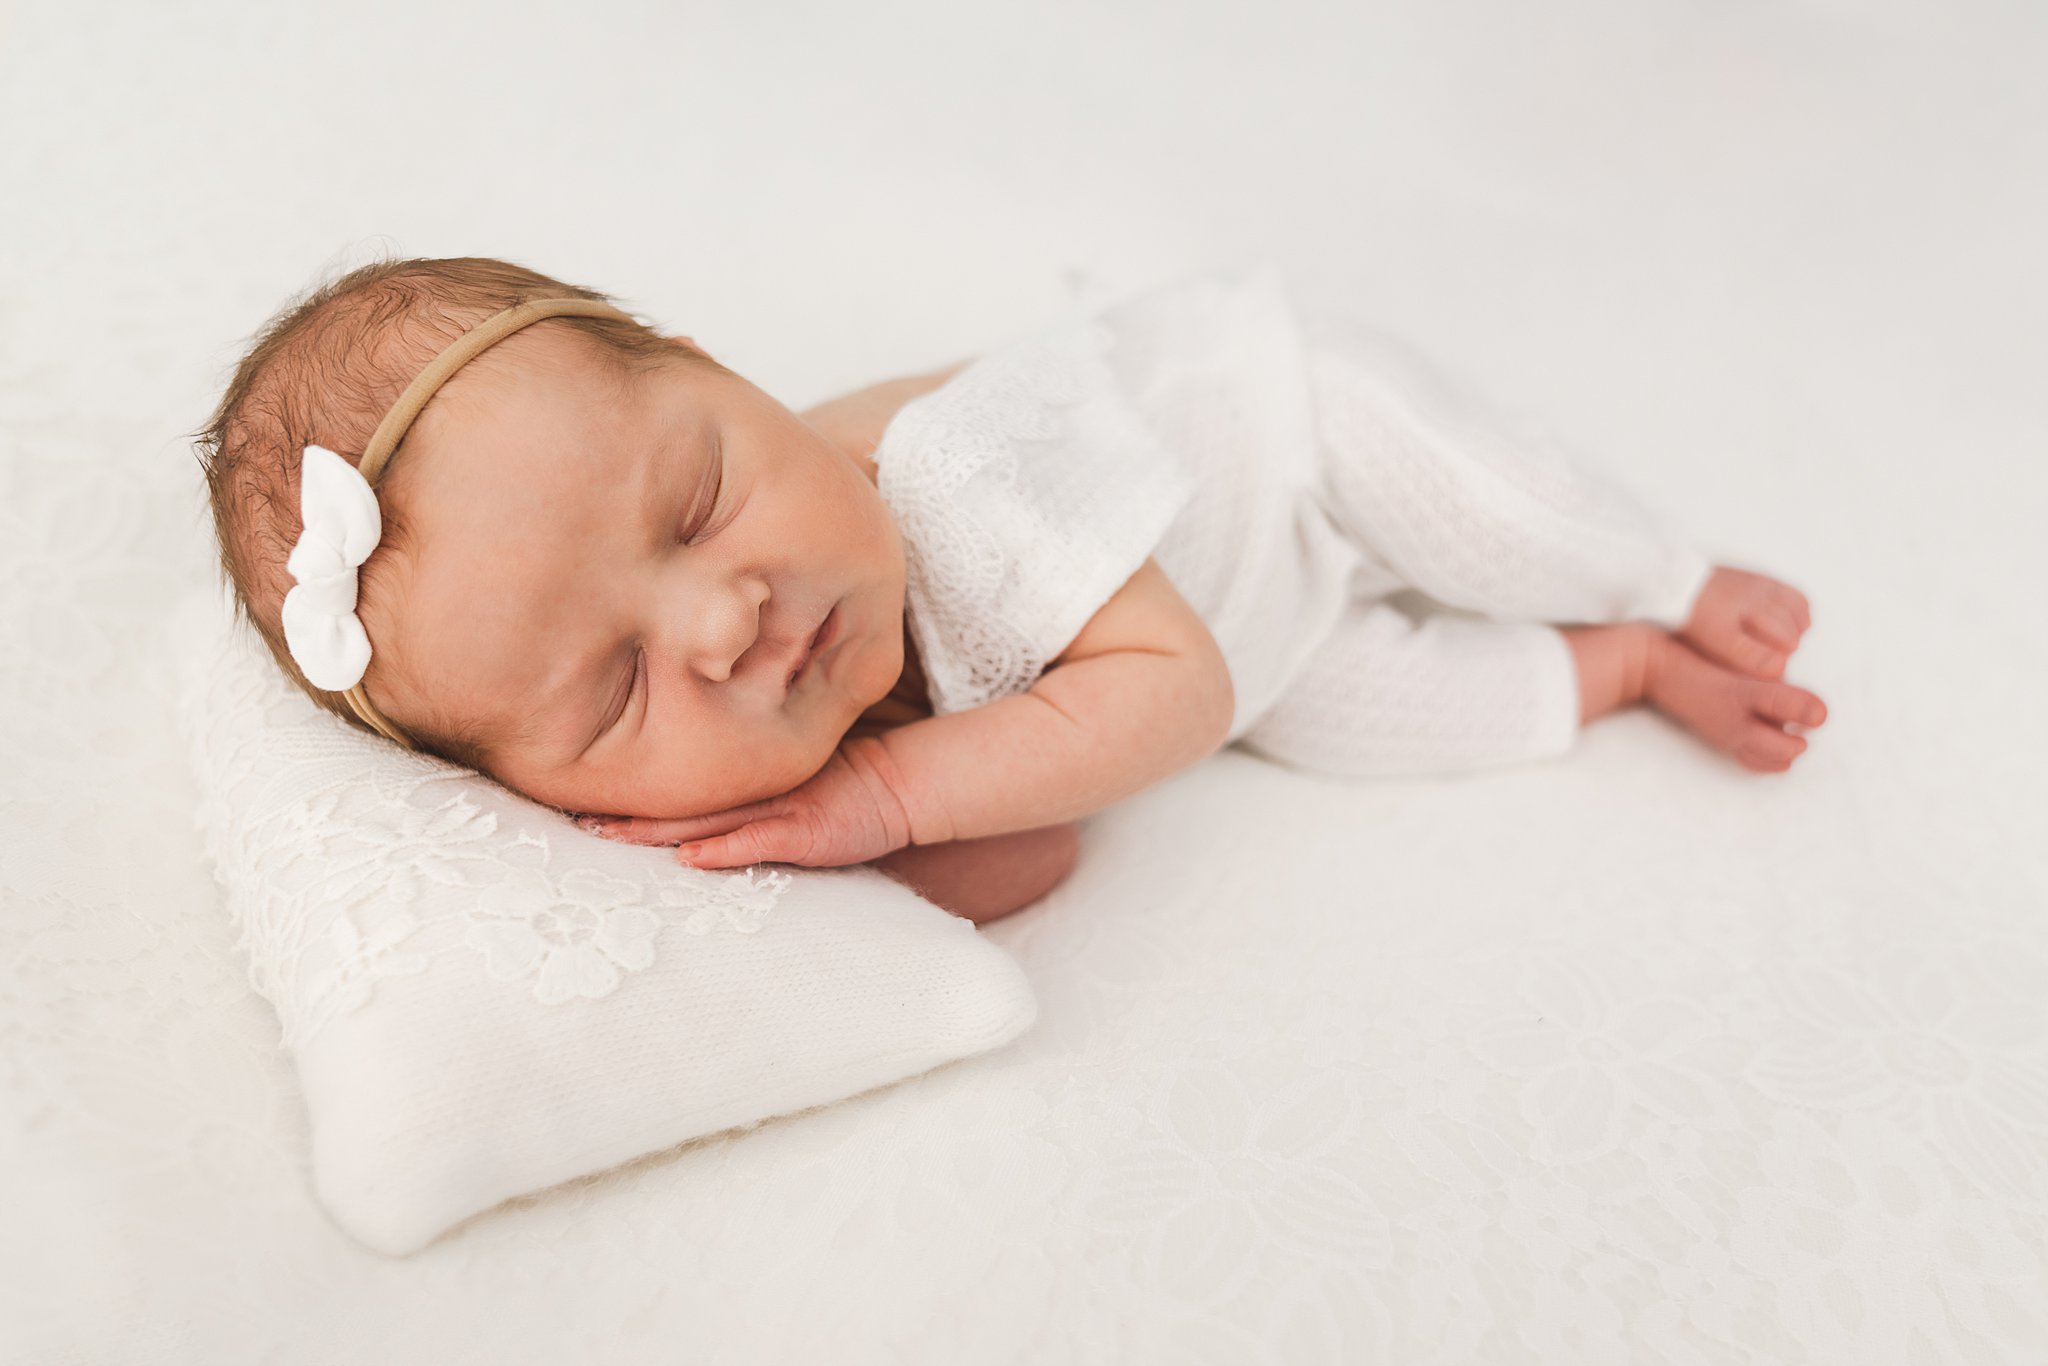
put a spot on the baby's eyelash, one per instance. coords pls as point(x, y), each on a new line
point(632, 687)
point(702, 523)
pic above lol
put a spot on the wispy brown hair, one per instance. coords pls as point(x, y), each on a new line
point(325, 370)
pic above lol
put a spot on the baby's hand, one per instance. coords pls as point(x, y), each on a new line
point(844, 813)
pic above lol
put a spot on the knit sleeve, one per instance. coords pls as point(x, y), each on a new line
point(1028, 490)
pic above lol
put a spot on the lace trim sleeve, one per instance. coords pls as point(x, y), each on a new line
point(1028, 490)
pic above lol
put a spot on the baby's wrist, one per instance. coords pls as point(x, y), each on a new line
point(922, 819)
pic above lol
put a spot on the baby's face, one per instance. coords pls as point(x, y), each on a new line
point(612, 579)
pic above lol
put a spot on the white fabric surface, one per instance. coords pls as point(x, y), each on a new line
point(1215, 365)
point(1633, 1057)
point(481, 1001)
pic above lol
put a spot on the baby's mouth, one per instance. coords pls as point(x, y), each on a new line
point(810, 650)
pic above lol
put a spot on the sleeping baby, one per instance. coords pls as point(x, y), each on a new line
point(492, 517)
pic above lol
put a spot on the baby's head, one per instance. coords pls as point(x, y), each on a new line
point(602, 552)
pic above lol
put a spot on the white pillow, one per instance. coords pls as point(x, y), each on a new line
point(483, 1000)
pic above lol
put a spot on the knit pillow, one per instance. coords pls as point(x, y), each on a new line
point(482, 1001)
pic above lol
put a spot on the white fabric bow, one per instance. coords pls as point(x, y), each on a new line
point(342, 527)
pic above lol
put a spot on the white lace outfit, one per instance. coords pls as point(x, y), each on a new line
point(1291, 472)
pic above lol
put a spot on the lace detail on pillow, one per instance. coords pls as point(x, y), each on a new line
point(335, 851)
point(1028, 490)
point(573, 935)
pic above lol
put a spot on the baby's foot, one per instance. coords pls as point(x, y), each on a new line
point(1747, 622)
point(1743, 717)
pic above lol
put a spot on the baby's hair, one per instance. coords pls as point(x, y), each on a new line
point(324, 370)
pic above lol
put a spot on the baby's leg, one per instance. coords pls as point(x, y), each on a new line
point(1476, 506)
point(1388, 695)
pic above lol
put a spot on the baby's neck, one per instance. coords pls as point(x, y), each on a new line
point(910, 687)
point(908, 701)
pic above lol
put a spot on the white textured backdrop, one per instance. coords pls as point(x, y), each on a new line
point(1635, 1057)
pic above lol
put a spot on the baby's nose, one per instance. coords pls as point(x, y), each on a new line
point(725, 635)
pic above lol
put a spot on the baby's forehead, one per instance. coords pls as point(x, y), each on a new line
point(523, 386)
point(550, 354)
point(543, 427)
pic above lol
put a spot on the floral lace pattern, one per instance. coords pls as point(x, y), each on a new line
point(326, 841)
point(574, 934)
point(1027, 491)
point(483, 1001)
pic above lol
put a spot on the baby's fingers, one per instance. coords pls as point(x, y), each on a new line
point(766, 842)
point(673, 830)
point(635, 830)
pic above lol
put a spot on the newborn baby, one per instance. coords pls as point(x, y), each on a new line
point(617, 577)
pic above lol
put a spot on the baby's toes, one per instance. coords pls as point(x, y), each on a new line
point(1788, 705)
point(1794, 603)
point(1772, 624)
point(1755, 656)
point(1766, 749)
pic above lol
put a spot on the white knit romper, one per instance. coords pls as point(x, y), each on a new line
point(1380, 556)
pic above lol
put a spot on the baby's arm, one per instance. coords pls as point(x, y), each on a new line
point(1141, 693)
point(987, 878)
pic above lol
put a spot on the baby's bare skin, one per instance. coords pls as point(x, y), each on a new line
point(1721, 676)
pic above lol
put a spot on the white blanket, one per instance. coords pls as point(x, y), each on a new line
point(1633, 1057)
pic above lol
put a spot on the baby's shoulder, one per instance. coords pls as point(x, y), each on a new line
point(855, 421)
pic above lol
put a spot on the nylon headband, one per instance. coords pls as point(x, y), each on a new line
point(398, 421)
